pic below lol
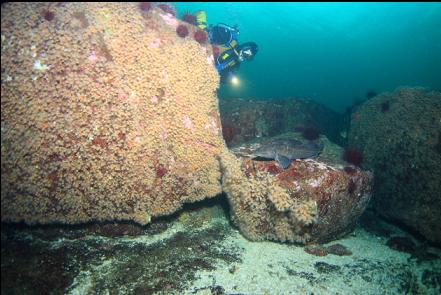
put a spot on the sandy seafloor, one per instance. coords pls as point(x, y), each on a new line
point(198, 251)
point(275, 268)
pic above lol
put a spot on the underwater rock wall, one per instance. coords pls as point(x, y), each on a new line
point(311, 201)
point(399, 134)
point(245, 119)
point(106, 113)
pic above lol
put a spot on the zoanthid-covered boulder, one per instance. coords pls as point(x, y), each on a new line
point(106, 114)
point(309, 201)
point(399, 134)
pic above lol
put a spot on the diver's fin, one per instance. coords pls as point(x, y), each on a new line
point(283, 161)
point(201, 19)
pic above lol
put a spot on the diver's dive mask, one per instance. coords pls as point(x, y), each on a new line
point(245, 54)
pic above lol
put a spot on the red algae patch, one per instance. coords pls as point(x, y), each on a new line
point(216, 51)
point(182, 31)
point(353, 156)
point(167, 8)
point(190, 18)
point(201, 36)
point(145, 6)
point(316, 250)
point(350, 170)
point(48, 15)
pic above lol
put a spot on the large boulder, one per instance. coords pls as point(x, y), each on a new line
point(106, 114)
point(311, 201)
point(246, 119)
point(399, 135)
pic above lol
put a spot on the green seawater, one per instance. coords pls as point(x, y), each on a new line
point(331, 52)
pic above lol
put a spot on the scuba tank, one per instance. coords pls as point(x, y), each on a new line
point(234, 55)
point(225, 60)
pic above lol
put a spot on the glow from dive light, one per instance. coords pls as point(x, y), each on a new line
point(234, 80)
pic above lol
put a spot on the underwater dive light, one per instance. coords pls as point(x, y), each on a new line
point(234, 80)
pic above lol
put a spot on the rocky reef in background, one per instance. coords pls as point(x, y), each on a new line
point(106, 113)
point(399, 134)
point(314, 200)
point(246, 119)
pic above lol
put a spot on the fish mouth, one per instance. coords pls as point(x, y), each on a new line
point(260, 158)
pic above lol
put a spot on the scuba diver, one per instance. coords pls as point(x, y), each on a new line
point(231, 53)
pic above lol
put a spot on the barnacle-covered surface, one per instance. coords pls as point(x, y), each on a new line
point(105, 114)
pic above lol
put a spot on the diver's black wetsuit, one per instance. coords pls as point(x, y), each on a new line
point(227, 63)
